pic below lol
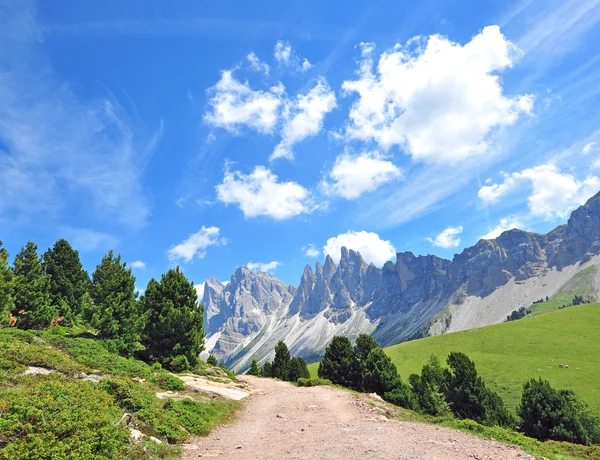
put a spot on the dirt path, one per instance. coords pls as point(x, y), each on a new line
point(281, 421)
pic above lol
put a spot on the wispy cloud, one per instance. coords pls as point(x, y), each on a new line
point(58, 149)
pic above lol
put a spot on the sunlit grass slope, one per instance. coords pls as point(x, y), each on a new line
point(509, 353)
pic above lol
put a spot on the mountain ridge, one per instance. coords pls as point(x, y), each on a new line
point(400, 300)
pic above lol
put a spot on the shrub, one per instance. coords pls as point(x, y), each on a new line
point(212, 360)
point(402, 396)
point(55, 417)
point(167, 382)
point(179, 364)
point(559, 415)
point(312, 382)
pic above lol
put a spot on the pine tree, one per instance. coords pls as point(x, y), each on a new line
point(115, 312)
point(32, 306)
point(6, 287)
point(338, 363)
point(175, 320)
point(297, 368)
point(69, 282)
point(254, 370)
point(267, 370)
point(379, 373)
point(212, 360)
point(279, 368)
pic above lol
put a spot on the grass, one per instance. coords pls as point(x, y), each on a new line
point(59, 416)
point(507, 354)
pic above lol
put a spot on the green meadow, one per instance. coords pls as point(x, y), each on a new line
point(509, 353)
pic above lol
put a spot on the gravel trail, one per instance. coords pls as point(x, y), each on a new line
point(280, 421)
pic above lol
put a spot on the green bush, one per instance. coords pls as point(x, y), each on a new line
point(179, 363)
point(558, 415)
point(402, 396)
point(55, 417)
point(167, 382)
point(254, 370)
point(308, 382)
point(212, 360)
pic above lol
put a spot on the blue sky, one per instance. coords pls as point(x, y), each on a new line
point(234, 133)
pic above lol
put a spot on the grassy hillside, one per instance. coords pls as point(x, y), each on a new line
point(78, 393)
point(507, 354)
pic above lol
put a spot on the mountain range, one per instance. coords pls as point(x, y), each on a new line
point(409, 298)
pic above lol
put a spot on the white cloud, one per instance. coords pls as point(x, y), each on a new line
point(587, 148)
point(138, 264)
point(438, 100)
point(286, 57)
point(263, 267)
point(370, 245)
point(506, 223)
point(261, 194)
point(554, 194)
point(448, 238)
point(196, 244)
point(311, 251)
point(256, 64)
point(139, 291)
point(200, 290)
point(303, 117)
point(353, 175)
point(234, 104)
point(596, 163)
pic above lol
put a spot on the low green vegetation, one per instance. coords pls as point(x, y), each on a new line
point(82, 360)
point(65, 415)
point(312, 382)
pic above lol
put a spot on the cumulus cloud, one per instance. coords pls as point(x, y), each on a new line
point(261, 194)
point(448, 238)
point(234, 104)
point(256, 64)
point(195, 245)
point(438, 100)
point(372, 248)
point(353, 175)
point(303, 117)
point(263, 267)
point(553, 194)
point(311, 251)
point(286, 57)
point(200, 290)
point(506, 223)
point(587, 148)
point(138, 264)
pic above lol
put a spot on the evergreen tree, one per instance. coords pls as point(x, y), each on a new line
point(69, 282)
point(468, 396)
point(279, 368)
point(6, 287)
point(254, 370)
point(174, 319)
point(297, 368)
point(267, 370)
point(115, 312)
point(379, 373)
point(547, 413)
point(32, 306)
point(429, 388)
point(212, 360)
point(338, 363)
